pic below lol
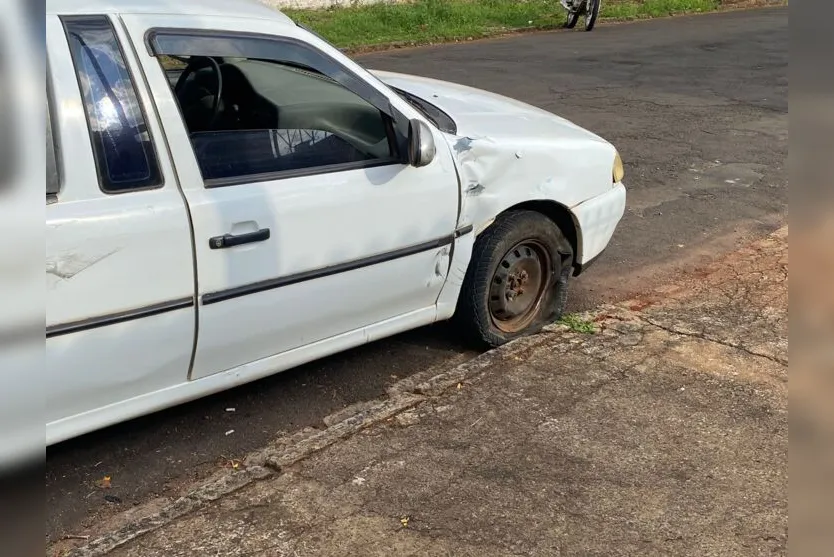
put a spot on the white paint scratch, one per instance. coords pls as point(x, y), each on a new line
point(68, 265)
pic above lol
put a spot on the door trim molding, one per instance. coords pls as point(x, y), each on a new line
point(118, 317)
point(304, 276)
point(463, 230)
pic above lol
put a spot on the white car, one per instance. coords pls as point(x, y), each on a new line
point(229, 196)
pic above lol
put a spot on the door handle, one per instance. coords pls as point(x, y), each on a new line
point(231, 240)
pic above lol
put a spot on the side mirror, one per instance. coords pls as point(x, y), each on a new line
point(421, 147)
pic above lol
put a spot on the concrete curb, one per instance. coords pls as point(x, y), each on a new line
point(286, 451)
point(209, 491)
point(314, 443)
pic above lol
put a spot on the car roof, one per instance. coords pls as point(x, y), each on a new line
point(252, 9)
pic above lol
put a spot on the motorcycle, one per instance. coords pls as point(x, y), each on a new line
point(576, 8)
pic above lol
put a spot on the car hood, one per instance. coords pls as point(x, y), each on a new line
point(481, 113)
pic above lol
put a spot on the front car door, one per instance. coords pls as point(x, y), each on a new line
point(309, 227)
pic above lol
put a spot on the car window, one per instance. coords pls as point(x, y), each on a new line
point(258, 118)
point(121, 141)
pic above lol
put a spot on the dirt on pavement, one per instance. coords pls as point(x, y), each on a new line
point(664, 432)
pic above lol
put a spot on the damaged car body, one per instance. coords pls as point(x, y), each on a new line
point(233, 196)
point(513, 157)
point(517, 153)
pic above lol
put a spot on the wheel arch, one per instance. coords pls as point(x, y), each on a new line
point(562, 217)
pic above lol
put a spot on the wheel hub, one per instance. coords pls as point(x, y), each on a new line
point(518, 286)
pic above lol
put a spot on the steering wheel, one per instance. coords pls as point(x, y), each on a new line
point(198, 63)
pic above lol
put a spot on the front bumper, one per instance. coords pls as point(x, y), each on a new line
point(596, 220)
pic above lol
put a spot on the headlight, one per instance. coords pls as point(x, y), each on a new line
point(619, 171)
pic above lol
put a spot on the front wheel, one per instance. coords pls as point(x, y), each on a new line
point(591, 13)
point(517, 279)
point(573, 18)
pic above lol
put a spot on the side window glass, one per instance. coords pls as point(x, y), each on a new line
point(253, 118)
point(122, 145)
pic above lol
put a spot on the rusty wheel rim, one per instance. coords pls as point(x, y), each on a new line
point(519, 285)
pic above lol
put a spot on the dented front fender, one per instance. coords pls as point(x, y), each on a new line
point(497, 174)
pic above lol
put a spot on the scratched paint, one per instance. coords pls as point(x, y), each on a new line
point(462, 145)
point(68, 265)
point(475, 188)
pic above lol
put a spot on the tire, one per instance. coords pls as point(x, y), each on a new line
point(591, 14)
point(573, 18)
point(504, 296)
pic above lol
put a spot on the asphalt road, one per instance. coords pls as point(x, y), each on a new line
point(698, 109)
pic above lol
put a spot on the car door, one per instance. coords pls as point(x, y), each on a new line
point(120, 316)
point(308, 224)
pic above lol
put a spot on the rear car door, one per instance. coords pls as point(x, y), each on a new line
point(120, 317)
point(307, 223)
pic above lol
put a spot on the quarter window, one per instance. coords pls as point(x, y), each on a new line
point(122, 144)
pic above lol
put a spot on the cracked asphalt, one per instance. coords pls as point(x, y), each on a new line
point(698, 109)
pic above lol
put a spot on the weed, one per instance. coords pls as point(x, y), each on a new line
point(577, 324)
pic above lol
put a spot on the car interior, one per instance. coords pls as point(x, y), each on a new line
point(249, 116)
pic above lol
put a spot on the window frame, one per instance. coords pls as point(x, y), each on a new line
point(153, 154)
point(54, 177)
point(395, 122)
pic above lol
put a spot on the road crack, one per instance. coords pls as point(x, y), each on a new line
point(703, 336)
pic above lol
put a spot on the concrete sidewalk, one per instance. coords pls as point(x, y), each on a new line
point(663, 433)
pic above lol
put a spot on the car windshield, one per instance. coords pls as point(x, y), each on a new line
point(440, 119)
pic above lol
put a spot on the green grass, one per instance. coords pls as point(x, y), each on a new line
point(577, 324)
point(431, 21)
point(655, 8)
